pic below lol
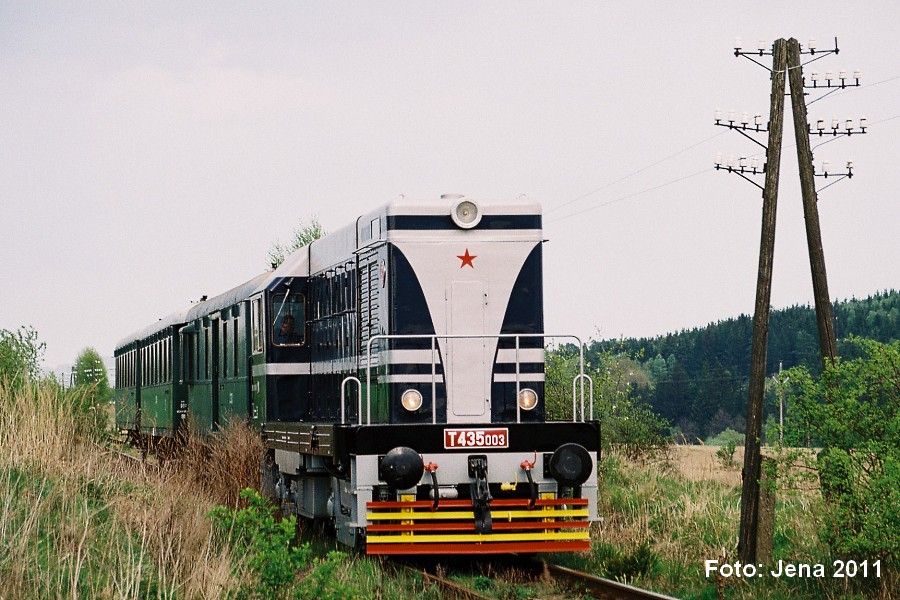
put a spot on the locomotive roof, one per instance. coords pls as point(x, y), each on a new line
point(226, 299)
point(322, 254)
point(443, 206)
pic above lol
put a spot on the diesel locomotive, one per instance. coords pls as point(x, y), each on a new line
point(395, 371)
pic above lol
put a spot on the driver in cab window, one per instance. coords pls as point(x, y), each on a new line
point(286, 332)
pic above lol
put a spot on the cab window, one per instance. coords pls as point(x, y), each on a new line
point(289, 322)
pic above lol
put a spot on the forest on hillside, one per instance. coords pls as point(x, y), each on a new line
point(697, 378)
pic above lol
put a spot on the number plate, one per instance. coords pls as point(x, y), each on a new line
point(476, 438)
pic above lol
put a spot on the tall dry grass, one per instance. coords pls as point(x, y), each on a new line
point(76, 521)
point(223, 464)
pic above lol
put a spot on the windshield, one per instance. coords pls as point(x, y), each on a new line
point(289, 322)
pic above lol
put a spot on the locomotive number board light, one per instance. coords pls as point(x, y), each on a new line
point(497, 437)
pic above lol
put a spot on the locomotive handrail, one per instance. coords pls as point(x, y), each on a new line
point(358, 398)
point(583, 376)
point(580, 378)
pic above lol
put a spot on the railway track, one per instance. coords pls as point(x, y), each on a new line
point(450, 589)
point(577, 581)
point(126, 458)
point(598, 587)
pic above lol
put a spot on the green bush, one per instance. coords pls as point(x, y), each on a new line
point(626, 423)
point(267, 543)
point(853, 413)
point(21, 353)
point(725, 454)
point(728, 441)
point(727, 437)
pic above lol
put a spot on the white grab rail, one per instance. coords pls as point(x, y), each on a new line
point(579, 379)
point(344, 383)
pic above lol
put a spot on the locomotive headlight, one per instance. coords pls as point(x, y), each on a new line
point(528, 398)
point(411, 400)
point(466, 214)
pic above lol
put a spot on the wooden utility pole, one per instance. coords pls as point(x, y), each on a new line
point(747, 540)
point(824, 320)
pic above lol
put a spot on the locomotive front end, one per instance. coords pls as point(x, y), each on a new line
point(467, 462)
point(424, 428)
point(492, 490)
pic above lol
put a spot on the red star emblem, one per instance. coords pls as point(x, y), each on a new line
point(466, 259)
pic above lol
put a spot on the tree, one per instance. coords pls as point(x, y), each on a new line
point(21, 354)
point(91, 391)
point(303, 236)
point(89, 370)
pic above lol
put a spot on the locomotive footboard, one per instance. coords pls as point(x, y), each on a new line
point(549, 524)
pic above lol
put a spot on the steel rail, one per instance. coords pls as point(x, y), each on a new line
point(598, 587)
point(451, 589)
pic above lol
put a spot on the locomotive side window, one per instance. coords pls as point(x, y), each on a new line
point(256, 325)
point(289, 324)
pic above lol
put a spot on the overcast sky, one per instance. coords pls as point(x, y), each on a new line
point(150, 154)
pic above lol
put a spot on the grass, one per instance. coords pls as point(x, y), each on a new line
point(76, 521)
point(661, 521)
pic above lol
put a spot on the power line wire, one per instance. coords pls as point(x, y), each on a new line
point(868, 85)
point(633, 173)
point(669, 157)
point(673, 181)
point(632, 195)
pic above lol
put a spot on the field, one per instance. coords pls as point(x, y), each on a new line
point(79, 521)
